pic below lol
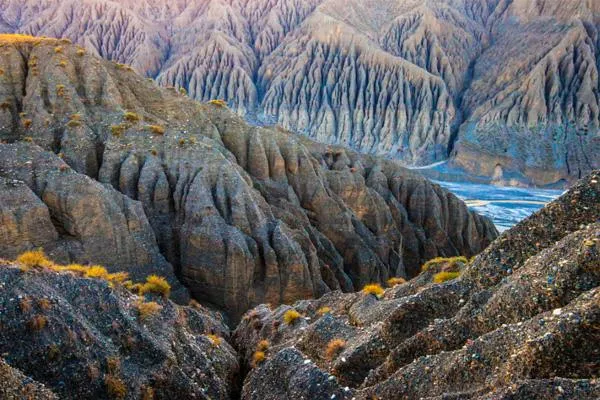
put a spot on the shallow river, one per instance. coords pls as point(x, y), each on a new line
point(506, 206)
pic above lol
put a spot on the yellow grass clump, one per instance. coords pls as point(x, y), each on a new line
point(445, 276)
point(443, 260)
point(291, 316)
point(263, 345)
point(218, 103)
point(115, 387)
point(156, 284)
point(17, 38)
point(375, 289)
point(258, 357)
point(324, 310)
point(148, 309)
point(130, 116)
point(96, 271)
point(214, 339)
point(334, 347)
point(156, 129)
point(33, 259)
point(395, 281)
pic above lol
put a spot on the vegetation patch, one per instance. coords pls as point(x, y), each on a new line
point(452, 261)
point(218, 103)
point(156, 129)
point(334, 348)
point(148, 309)
point(395, 281)
point(374, 289)
point(445, 276)
point(130, 116)
point(291, 316)
point(324, 310)
point(157, 285)
point(258, 357)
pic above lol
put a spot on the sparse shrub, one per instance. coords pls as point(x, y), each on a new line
point(58, 49)
point(183, 91)
point(130, 116)
point(218, 103)
point(115, 387)
point(77, 268)
point(5, 105)
point(118, 130)
point(214, 339)
point(156, 284)
point(375, 289)
point(81, 52)
point(156, 129)
point(258, 357)
point(33, 259)
point(324, 310)
point(444, 260)
point(147, 393)
point(194, 304)
point(113, 365)
point(445, 276)
point(25, 305)
point(37, 323)
point(182, 142)
point(44, 304)
point(62, 64)
point(291, 316)
point(193, 140)
point(395, 281)
point(60, 90)
point(334, 347)
point(148, 309)
point(154, 152)
point(26, 123)
point(96, 271)
point(118, 277)
point(263, 345)
point(74, 123)
point(28, 139)
point(65, 41)
point(53, 352)
point(1, 72)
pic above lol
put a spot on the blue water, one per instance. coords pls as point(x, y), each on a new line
point(506, 206)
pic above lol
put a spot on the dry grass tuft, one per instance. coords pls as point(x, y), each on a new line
point(258, 357)
point(218, 103)
point(445, 276)
point(444, 260)
point(324, 310)
point(334, 347)
point(156, 129)
point(115, 387)
point(263, 345)
point(395, 281)
point(291, 316)
point(148, 309)
point(33, 259)
point(374, 288)
point(214, 339)
point(37, 323)
point(97, 272)
point(156, 284)
point(130, 116)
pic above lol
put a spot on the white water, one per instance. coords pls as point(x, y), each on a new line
point(506, 206)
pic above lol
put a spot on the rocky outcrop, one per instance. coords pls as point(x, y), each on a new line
point(520, 322)
point(15, 385)
point(98, 158)
point(507, 89)
point(85, 339)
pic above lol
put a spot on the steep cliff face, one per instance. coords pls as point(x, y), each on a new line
point(100, 165)
point(519, 322)
point(507, 88)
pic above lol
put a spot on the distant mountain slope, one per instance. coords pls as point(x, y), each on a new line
point(508, 88)
point(98, 164)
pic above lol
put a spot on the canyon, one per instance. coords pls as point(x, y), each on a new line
point(507, 90)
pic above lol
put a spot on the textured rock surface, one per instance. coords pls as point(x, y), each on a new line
point(17, 386)
point(521, 322)
point(509, 88)
point(245, 215)
point(93, 336)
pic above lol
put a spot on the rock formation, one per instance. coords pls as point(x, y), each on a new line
point(84, 339)
point(507, 88)
point(521, 322)
point(99, 165)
